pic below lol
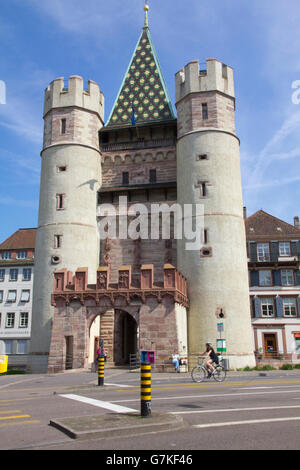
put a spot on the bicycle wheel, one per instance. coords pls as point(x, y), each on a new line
point(219, 374)
point(198, 374)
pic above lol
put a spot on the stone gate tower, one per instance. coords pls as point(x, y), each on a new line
point(70, 178)
point(208, 173)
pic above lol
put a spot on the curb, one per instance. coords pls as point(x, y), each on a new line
point(116, 425)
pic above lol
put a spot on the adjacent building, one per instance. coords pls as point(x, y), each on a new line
point(273, 248)
point(16, 283)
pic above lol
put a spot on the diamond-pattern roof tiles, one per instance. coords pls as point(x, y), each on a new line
point(143, 96)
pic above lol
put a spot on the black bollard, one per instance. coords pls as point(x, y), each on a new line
point(146, 390)
point(101, 370)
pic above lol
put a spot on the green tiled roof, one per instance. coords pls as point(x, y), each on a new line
point(143, 91)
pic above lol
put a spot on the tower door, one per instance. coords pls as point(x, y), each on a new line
point(69, 352)
point(125, 340)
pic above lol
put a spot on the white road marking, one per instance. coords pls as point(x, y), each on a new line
point(226, 410)
point(250, 421)
point(230, 395)
point(101, 404)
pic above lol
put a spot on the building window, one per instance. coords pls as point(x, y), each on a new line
point(23, 320)
point(284, 249)
point(2, 274)
point(60, 199)
point(11, 296)
point(152, 175)
point(204, 111)
point(289, 307)
point(8, 346)
point(26, 274)
point(263, 252)
point(6, 255)
point(205, 236)
point(63, 126)
point(57, 241)
point(125, 177)
point(13, 274)
point(267, 307)
point(202, 157)
point(10, 320)
point(287, 277)
point(297, 343)
point(1, 296)
point(265, 277)
point(25, 295)
point(22, 346)
point(22, 254)
point(61, 169)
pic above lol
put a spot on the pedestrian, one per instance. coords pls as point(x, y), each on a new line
point(175, 360)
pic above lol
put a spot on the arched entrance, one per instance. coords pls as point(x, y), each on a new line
point(125, 337)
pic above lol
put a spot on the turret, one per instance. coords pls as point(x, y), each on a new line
point(70, 178)
point(208, 173)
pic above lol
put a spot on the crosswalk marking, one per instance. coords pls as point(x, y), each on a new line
point(249, 421)
point(101, 404)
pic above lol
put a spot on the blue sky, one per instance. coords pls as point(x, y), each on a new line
point(43, 40)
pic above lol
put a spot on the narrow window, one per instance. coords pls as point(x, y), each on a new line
point(23, 320)
point(152, 175)
point(60, 201)
point(205, 237)
point(57, 241)
point(13, 274)
point(204, 111)
point(63, 126)
point(125, 177)
point(202, 157)
point(203, 189)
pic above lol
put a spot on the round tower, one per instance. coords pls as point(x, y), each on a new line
point(70, 177)
point(208, 173)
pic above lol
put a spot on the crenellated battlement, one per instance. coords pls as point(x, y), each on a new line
point(216, 77)
point(57, 96)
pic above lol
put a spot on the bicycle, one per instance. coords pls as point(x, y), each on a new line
point(200, 372)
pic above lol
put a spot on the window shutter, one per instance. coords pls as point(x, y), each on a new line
point(274, 251)
point(277, 277)
point(253, 252)
point(297, 277)
point(254, 278)
point(257, 307)
point(294, 248)
point(298, 305)
point(279, 306)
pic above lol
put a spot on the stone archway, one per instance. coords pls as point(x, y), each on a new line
point(125, 336)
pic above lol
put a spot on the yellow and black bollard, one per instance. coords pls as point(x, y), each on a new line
point(145, 389)
point(100, 370)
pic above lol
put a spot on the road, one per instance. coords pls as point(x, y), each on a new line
point(249, 411)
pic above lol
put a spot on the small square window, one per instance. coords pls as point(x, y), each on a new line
point(289, 307)
point(61, 169)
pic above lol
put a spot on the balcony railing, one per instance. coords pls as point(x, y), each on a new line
point(143, 144)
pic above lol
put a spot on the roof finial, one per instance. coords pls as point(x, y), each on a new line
point(146, 9)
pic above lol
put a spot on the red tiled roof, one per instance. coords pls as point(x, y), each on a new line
point(21, 239)
point(263, 224)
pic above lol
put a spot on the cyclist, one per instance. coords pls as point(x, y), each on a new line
point(211, 357)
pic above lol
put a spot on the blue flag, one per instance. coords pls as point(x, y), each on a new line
point(133, 120)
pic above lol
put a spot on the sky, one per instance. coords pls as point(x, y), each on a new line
point(43, 40)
